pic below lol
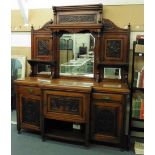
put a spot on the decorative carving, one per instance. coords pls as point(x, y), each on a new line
point(58, 34)
point(125, 71)
point(30, 111)
point(43, 47)
point(45, 26)
point(113, 48)
point(77, 18)
point(65, 104)
point(105, 121)
point(109, 25)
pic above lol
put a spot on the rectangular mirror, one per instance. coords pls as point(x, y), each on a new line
point(77, 55)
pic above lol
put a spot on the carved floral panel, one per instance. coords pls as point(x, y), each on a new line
point(77, 18)
point(65, 104)
point(105, 121)
point(43, 47)
point(30, 111)
point(113, 48)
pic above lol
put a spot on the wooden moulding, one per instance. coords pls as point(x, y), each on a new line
point(88, 14)
point(74, 85)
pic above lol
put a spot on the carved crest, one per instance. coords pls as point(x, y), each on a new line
point(77, 18)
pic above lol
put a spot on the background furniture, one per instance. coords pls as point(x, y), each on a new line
point(18, 70)
point(137, 94)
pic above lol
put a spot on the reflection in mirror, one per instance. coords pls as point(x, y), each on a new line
point(77, 54)
point(43, 69)
point(112, 73)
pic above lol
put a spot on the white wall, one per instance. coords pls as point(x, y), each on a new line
point(20, 39)
point(23, 39)
point(48, 3)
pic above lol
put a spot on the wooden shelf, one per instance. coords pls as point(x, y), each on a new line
point(66, 135)
point(136, 88)
point(140, 54)
point(45, 62)
point(62, 130)
point(136, 124)
point(34, 62)
point(137, 134)
point(134, 139)
point(136, 119)
point(112, 64)
point(137, 129)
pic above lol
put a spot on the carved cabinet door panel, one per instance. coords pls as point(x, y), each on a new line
point(106, 122)
point(42, 47)
point(115, 48)
point(67, 106)
point(29, 112)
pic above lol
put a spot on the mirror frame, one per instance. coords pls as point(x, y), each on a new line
point(94, 31)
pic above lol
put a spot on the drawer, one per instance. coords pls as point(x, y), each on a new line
point(29, 90)
point(108, 97)
point(68, 106)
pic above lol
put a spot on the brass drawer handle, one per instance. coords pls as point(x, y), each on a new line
point(30, 90)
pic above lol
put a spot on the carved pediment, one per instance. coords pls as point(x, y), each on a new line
point(109, 25)
point(45, 26)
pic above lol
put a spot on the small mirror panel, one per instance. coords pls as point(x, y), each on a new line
point(112, 73)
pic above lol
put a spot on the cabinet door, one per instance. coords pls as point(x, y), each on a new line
point(106, 121)
point(67, 106)
point(30, 111)
point(115, 48)
point(42, 46)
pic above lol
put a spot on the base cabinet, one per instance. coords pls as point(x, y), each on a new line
point(107, 120)
point(75, 114)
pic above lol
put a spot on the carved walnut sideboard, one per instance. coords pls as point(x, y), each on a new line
point(76, 108)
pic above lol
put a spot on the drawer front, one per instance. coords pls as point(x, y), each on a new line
point(65, 105)
point(108, 97)
point(29, 90)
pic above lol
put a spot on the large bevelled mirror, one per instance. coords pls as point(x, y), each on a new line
point(77, 55)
